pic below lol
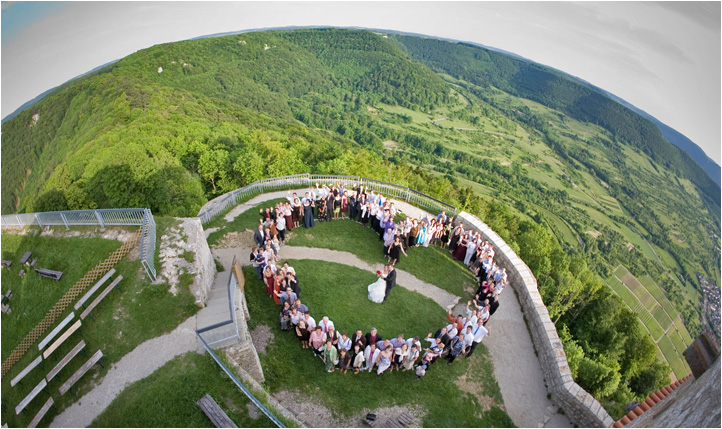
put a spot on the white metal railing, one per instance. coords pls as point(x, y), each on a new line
point(99, 217)
point(222, 203)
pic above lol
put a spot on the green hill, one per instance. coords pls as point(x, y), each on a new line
point(573, 181)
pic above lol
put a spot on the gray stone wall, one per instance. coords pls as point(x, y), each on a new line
point(579, 406)
point(204, 266)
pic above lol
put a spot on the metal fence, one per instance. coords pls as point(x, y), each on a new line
point(220, 204)
point(99, 217)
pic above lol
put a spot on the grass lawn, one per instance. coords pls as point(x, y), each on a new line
point(132, 313)
point(246, 220)
point(169, 396)
point(288, 367)
point(430, 264)
point(33, 295)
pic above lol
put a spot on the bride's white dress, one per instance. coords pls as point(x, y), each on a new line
point(377, 290)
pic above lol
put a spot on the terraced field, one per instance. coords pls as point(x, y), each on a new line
point(654, 310)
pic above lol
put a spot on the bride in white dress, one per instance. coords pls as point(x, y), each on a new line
point(377, 290)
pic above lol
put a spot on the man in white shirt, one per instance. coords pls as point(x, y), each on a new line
point(479, 332)
point(325, 324)
point(310, 321)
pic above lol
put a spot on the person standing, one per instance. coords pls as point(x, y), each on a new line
point(390, 276)
point(330, 356)
point(458, 346)
point(259, 237)
point(281, 226)
point(479, 332)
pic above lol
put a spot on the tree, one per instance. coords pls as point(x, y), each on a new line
point(213, 166)
point(250, 166)
point(599, 377)
point(653, 377)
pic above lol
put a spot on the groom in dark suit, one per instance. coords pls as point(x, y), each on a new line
point(390, 280)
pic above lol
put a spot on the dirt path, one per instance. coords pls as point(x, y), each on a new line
point(136, 365)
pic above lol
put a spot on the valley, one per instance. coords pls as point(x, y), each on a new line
point(579, 186)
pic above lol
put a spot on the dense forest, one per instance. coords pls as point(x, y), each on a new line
point(176, 124)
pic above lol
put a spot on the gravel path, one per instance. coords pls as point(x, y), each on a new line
point(134, 366)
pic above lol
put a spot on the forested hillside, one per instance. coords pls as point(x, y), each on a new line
point(577, 184)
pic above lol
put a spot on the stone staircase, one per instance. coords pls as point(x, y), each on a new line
point(217, 310)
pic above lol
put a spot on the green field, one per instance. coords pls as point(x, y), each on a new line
point(678, 365)
point(655, 330)
point(683, 331)
point(659, 295)
point(662, 317)
point(657, 321)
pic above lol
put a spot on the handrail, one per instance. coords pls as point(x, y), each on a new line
point(240, 385)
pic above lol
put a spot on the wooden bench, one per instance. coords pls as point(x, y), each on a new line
point(401, 421)
point(39, 416)
point(25, 372)
point(6, 309)
point(7, 295)
point(100, 297)
point(6, 264)
point(33, 393)
point(217, 416)
point(34, 263)
point(74, 327)
point(93, 289)
point(49, 274)
point(55, 331)
point(80, 372)
point(25, 258)
point(59, 367)
point(21, 273)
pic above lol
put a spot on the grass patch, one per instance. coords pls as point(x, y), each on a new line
point(33, 295)
point(287, 366)
point(133, 312)
point(246, 220)
point(168, 397)
point(342, 235)
point(430, 264)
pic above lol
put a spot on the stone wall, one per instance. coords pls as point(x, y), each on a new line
point(579, 406)
point(204, 265)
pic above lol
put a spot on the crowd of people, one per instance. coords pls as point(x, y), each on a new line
point(370, 351)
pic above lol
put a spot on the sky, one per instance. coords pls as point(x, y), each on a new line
point(662, 57)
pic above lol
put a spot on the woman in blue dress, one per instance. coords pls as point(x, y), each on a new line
point(422, 233)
